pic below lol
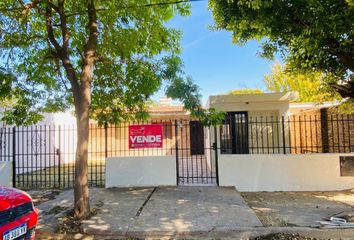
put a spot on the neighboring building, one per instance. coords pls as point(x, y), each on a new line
point(309, 108)
point(117, 136)
point(319, 127)
point(55, 137)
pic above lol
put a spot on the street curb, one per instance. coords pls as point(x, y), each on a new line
point(240, 233)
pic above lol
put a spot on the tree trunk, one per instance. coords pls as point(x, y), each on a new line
point(81, 191)
point(81, 90)
point(82, 105)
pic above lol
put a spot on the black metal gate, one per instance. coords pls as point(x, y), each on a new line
point(196, 154)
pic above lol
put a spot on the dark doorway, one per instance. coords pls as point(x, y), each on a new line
point(196, 138)
point(234, 133)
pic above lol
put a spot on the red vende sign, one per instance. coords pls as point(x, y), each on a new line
point(145, 136)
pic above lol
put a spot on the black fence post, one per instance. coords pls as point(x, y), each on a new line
point(283, 132)
point(59, 157)
point(14, 157)
point(106, 140)
point(176, 143)
point(325, 130)
point(215, 147)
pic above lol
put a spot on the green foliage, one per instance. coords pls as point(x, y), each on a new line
point(212, 117)
point(6, 80)
point(188, 92)
point(311, 34)
point(15, 102)
point(182, 90)
point(247, 91)
point(136, 51)
point(310, 86)
point(346, 107)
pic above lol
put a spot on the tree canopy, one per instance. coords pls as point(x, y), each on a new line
point(135, 52)
point(247, 91)
point(105, 58)
point(310, 86)
point(311, 34)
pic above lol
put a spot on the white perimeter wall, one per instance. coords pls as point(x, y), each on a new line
point(5, 174)
point(278, 172)
point(141, 171)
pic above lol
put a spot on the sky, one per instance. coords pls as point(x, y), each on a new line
point(210, 58)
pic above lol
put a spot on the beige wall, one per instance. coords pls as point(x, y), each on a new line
point(141, 171)
point(5, 174)
point(118, 142)
point(282, 108)
point(296, 172)
point(265, 130)
point(251, 102)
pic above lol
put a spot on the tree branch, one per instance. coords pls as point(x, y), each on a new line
point(346, 58)
point(29, 6)
point(63, 26)
point(62, 51)
point(50, 31)
point(91, 44)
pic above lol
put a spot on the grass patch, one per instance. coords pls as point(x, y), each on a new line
point(60, 177)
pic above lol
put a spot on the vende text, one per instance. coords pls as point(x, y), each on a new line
point(144, 139)
point(145, 136)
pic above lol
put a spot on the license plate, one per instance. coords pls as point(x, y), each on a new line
point(15, 232)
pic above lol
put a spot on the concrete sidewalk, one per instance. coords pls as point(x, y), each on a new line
point(160, 210)
point(195, 209)
point(171, 213)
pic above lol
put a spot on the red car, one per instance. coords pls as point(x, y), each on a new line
point(18, 216)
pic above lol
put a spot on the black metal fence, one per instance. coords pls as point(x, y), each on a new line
point(329, 133)
point(44, 156)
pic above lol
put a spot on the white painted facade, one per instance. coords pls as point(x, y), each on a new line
point(265, 107)
point(255, 104)
point(5, 173)
point(278, 172)
point(141, 171)
point(60, 118)
point(44, 138)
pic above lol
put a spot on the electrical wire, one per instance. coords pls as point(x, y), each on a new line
point(171, 3)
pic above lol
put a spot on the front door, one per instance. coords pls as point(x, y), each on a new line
point(234, 133)
point(196, 136)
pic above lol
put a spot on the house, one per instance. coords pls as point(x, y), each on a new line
point(251, 124)
point(274, 123)
point(267, 142)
